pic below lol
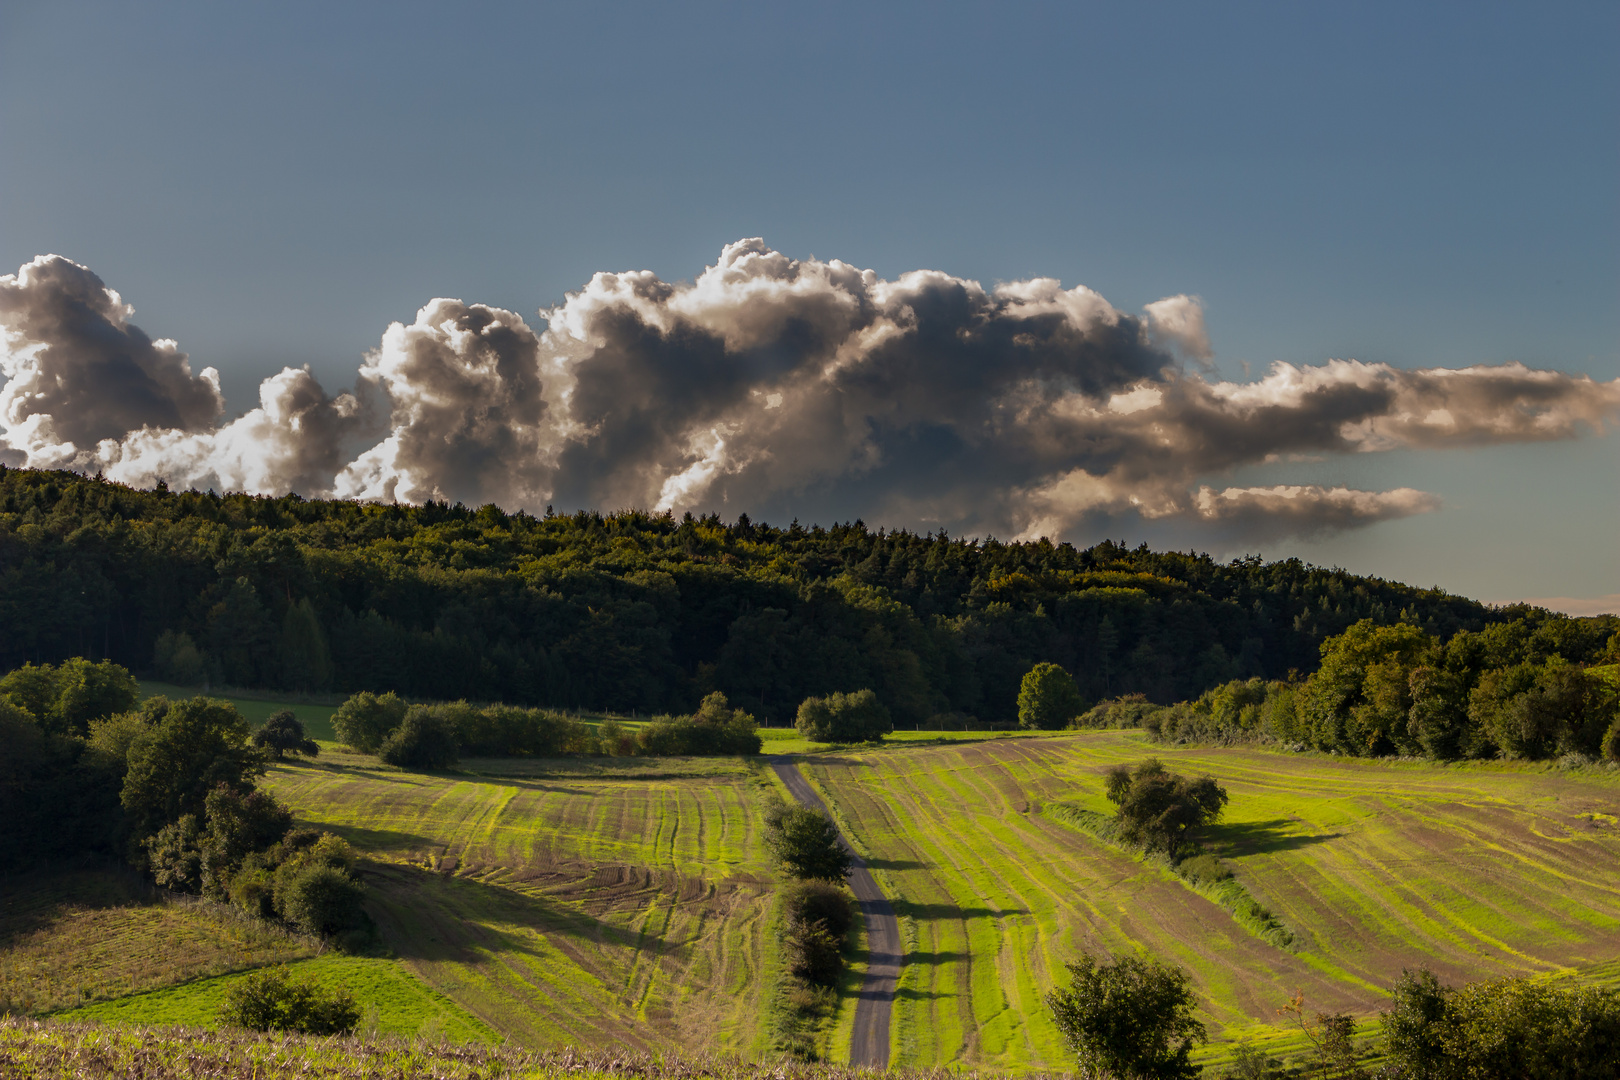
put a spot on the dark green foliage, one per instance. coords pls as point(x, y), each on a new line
point(320, 899)
point(239, 823)
point(510, 731)
point(1048, 699)
point(1509, 1029)
point(1131, 1018)
point(815, 954)
point(272, 1000)
point(805, 842)
point(715, 729)
point(366, 720)
point(283, 734)
point(186, 750)
point(844, 718)
point(425, 739)
point(1127, 710)
point(174, 855)
point(66, 698)
point(821, 903)
point(637, 611)
point(1160, 810)
point(1521, 689)
point(58, 796)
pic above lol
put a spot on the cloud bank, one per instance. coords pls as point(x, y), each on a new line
point(1025, 409)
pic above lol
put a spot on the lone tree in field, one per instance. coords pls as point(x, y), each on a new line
point(1131, 1018)
point(1048, 699)
point(284, 734)
point(806, 843)
point(1159, 809)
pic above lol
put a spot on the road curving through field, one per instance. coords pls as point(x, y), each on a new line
point(869, 1039)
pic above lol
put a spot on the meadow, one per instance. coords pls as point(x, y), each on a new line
point(621, 902)
point(1475, 871)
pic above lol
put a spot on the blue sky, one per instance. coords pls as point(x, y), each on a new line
point(1419, 185)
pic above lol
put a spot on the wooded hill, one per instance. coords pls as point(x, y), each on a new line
point(646, 612)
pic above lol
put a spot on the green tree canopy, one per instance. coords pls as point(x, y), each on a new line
point(1159, 809)
point(806, 842)
point(1131, 1018)
point(282, 734)
point(189, 748)
point(366, 719)
point(844, 718)
point(1048, 698)
point(64, 699)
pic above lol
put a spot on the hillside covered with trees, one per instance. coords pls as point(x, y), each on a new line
point(644, 612)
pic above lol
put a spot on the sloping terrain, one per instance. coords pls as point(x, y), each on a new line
point(603, 909)
point(1475, 871)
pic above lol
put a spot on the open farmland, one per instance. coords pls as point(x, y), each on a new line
point(1476, 871)
point(587, 905)
point(76, 937)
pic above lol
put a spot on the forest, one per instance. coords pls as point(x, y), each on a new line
point(645, 613)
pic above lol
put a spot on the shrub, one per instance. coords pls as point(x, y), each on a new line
point(271, 1000)
point(1203, 870)
point(366, 719)
point(811, 903)
point(318, 898)
point(238, 825)
point(423, 740)
point(844, 718)
point(716, 728)
point(174, 855)
point(1048, 699)
point(805, 842)
point(614, 740)
point(815, 954)
point(282, 733)
point(1129, 1017)
point(508, 731)
point(1508, 1028)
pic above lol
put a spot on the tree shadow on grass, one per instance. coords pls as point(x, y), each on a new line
point(435, 917)
point(894, 864)
point(934, 958)
point(379, 839)
point(951, 911)
point(1236, 839)
point(920, 995)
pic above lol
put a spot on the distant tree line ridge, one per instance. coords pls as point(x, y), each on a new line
point(643, 612)
point(1531, 688)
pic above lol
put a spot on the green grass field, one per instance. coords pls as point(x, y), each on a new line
point(395, 1002)
point(593, 903)
point(79, 936)
point(1475, 871)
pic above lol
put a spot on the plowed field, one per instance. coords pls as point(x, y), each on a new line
point(600, 910)
point(1475, 871)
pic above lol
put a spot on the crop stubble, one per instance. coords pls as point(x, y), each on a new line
point(1476, 872)
point(609, 911)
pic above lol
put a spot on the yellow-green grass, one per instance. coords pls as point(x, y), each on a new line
point(624, 909)
point(393, 1001)
point(83, 936)
point(1474, 871)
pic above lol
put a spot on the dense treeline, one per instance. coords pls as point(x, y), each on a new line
point(1536, 687)
point(171, 786)
point(641, 612)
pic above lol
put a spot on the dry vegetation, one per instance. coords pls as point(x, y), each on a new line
point(77, 937)
point(45, 1050)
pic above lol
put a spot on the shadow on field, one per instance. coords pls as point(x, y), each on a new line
point(894, 864)
point(951, 911)
point(1262, 837)
point(435, 917)
point(943, 957)
point(921, 995)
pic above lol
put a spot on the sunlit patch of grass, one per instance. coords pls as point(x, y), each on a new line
point(393, 1001)
point(1376, 865)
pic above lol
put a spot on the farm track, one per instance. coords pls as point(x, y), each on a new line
point(1475, 872)
point(869, 1038)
